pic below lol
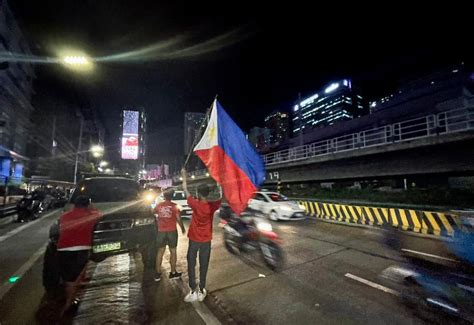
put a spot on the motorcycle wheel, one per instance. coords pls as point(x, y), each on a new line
point(272, 255)
point(230, 244)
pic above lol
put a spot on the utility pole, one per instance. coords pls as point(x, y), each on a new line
point(78, 148)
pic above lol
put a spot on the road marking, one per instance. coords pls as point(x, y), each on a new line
point(201, 309)
point(21, 228)
point(429, 255)
point(21, 271)
point(372, 284)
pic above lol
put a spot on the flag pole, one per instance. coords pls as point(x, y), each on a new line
point(205, 121)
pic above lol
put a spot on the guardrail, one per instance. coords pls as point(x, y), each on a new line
point(457, 120)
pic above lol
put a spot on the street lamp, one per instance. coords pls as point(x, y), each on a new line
point(76, 61)
point(97, 151)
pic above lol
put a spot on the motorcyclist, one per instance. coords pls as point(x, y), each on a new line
point(240, 224)
point(462, 244)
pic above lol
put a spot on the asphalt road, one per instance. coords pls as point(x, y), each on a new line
point(328, 277)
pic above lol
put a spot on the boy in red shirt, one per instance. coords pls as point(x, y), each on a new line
point(200, 236)
point(167, 214)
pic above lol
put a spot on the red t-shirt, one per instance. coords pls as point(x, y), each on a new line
point(200, 229)
point(76, 227)
point(166, 214)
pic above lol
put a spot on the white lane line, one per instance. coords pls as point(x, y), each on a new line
point(428, 255)
point(21, 228)
point(21, 271)
point(372, 284)
point(205, 313)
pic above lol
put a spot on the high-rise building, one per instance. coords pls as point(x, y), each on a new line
point(338, 101)
point(15, 85)
point(193, 126)
point(278, 124)
point(134, 136)
point(259, 137)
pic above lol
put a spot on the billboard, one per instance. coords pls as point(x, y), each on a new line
point(5, 168)
point(130, 146)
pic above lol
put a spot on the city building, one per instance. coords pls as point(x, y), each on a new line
point(193, 127)
point(444, 89)
point(278, 124)
point(16, 89)
point(338, 101)
point(15, 85)
point(133, 140)
point(259, 137)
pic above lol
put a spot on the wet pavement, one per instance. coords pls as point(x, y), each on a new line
point(312, 287)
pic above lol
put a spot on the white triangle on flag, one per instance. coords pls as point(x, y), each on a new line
point(210, 137)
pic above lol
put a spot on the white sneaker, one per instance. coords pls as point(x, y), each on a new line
point(191, 296)
point(202, 294)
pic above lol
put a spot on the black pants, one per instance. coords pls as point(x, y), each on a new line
point(204, 250)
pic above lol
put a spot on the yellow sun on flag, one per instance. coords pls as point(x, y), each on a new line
point(212, 133)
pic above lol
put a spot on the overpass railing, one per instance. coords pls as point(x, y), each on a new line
point(452, 121)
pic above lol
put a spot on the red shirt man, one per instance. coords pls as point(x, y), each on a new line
point(201, 221)
point(167, 215)
point(200, 235)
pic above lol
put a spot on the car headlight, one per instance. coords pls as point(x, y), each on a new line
point(286, 208)
point(149, 197)
point(301, 206)
point(179, 206)
point(144, 221)
point(264, 226)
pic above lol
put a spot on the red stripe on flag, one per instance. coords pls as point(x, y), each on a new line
point(237, 187)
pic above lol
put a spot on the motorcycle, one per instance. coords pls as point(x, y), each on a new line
point(29, 208)
point(250, 233)
point(430, 286)
point(433, 289)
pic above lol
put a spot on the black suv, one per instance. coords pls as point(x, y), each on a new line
point(127, 222)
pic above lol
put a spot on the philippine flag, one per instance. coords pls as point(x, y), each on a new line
point(230, 159)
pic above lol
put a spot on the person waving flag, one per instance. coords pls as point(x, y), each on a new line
point(231, 160)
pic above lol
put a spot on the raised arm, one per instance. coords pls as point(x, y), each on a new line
point(184, 175)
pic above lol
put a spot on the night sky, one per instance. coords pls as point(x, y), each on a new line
point(273, 54)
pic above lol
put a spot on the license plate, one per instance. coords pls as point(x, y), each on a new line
point(106, 247)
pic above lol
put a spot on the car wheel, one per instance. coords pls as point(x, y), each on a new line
point(274, 215)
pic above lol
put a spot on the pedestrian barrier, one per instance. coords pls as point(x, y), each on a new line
point(441, 224)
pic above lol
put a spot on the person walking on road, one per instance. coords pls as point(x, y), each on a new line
point(200, 236)
point(167, 215)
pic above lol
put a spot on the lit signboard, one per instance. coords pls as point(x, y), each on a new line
point(130, 144)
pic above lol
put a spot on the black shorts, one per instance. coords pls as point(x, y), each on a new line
point(169, 238)
point(71, 264)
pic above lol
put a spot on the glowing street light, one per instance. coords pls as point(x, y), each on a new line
point(76, 60)
point(97, 151)
point(103, 163)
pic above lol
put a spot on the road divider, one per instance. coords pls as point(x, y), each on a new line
point(442, 224)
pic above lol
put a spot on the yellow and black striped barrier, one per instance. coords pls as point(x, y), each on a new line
point(419, 221)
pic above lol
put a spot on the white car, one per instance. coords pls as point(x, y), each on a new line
point(179, 197)
point(277, 206)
